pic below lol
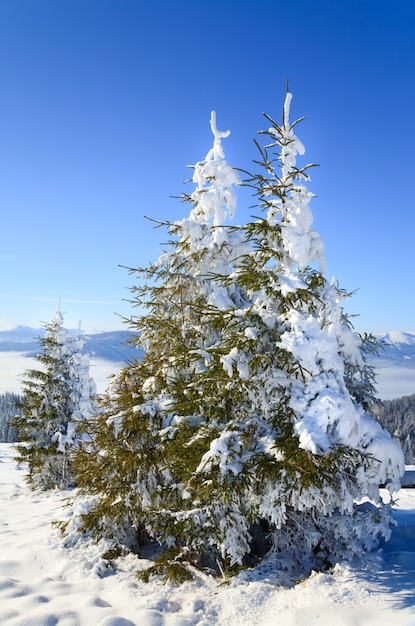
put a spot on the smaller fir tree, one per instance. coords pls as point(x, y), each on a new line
point(57, 398)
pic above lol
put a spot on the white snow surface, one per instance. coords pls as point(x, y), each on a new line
point(42, 583)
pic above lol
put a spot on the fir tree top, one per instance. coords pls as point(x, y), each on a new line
point(287, 199)
point(215, 197)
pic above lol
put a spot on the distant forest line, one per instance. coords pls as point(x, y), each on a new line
point(398, 417)
point(8, 409)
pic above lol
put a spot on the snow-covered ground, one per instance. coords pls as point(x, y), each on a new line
point(44, 584)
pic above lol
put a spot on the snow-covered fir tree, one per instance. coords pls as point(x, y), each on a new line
point(300, 438)
point(242, 435)
point(58, 398)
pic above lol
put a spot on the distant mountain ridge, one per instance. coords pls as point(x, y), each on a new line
point(109, 345)
point(399, 347)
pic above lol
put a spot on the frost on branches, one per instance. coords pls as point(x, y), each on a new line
point(242, 435)
point(58, 398)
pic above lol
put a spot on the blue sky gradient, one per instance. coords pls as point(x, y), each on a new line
point(104, 104)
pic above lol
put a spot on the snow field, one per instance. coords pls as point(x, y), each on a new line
point(42, 583)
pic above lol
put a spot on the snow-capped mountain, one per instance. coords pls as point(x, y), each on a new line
point(399, 348)
point(109, 345)
point(395, 365)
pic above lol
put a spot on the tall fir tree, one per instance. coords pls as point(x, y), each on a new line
point(58, 398)
point(298, 450)
point(242, 435)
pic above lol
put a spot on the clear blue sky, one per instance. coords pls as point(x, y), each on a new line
point(105, 102)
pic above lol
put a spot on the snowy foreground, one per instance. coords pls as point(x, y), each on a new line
point(44, 584)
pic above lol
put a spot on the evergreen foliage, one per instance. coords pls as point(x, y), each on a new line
point(241, 435)
point(57, 398)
